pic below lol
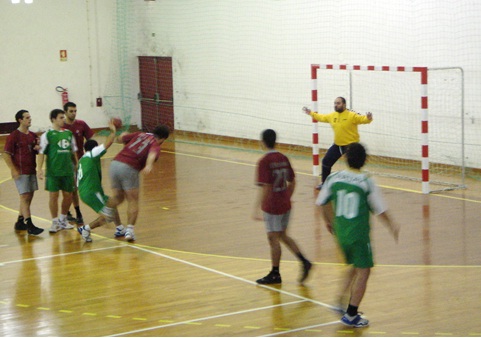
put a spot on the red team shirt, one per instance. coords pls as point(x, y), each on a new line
point(20, 147)
point(275, 169)
point(80, 130)
point(137, 148)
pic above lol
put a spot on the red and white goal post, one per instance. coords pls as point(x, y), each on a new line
point(421, 113)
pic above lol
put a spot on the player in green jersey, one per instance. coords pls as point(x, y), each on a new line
point(89, 182)
point(354, 195)
point(59, 146)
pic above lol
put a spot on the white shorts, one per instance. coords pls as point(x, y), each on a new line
point(123, 177)
point(26, 184)
point(276, 223)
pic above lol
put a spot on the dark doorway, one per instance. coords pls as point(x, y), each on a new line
point(156, 92)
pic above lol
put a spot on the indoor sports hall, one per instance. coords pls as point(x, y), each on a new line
point(218, 73)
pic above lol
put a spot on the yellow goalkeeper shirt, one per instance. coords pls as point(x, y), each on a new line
point(344, 125)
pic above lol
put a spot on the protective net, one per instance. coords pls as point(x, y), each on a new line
point(241, 67)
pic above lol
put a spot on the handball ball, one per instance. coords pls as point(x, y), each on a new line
point(117, 122)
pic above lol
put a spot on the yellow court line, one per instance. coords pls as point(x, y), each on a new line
point(309, 174)
point(254, 259)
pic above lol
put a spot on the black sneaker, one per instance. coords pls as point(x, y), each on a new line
point(271, 278)
point(70, 217)
point(80, 221)
point(19, 225)
point(306, 267)
point(34, 231)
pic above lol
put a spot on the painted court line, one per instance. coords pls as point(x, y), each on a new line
point(301, 329)
point(61, 255)
point(233, 277)
point(206, 318)
point(302, 299)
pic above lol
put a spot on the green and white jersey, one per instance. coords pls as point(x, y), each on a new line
point(354, 195)
point(59, 146)
point(89, 174)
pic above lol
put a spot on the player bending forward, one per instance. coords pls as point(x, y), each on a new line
point(89, 182)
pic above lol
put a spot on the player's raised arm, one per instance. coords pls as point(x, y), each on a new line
point(111, 138)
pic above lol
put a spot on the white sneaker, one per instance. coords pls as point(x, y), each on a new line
point(55, 227)
point(85, 233)
point(129, 234)
point(65, 225)
point(356, 321)
point(120, 231)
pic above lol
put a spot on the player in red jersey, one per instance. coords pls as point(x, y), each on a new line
point(276, 180)
point(81, 131)
point(138, 155)
point(20, 152)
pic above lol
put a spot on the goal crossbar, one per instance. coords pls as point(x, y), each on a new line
point(423, 108)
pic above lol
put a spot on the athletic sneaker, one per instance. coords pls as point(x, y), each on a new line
point(20, 225)
point(85, 233)
point(64, 225)
point(55, 227)
point(306, 267)
point(70, 217)
point(271, 278)
point(129, 234)
point(119, 231)
point(32, 229)
point(80, 221)
point(356, 321)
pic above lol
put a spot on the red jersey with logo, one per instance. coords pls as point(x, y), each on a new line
point(275, 169)
point(137, 148)
point(80, 130)
point(21, 147)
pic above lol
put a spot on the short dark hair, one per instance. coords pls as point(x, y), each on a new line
point(342, 99)
point(269, 138)
point(161, 131)
point(19, 115)
point(356, 155)
point(69, 104)
point(90, 144)
point(54, 113)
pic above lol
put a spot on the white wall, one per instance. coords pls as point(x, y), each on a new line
point(243, 66)
point(30, 67)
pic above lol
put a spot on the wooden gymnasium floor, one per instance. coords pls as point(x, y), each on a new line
point(191, 271)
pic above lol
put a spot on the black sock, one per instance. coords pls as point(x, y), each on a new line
point(77, 211)
point(302, 258)
point(20, 218)
point(275, 269)
point(352, 310)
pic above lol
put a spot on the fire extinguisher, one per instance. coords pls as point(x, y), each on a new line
point(64, 92)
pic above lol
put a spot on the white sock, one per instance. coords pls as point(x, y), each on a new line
point(62, 218)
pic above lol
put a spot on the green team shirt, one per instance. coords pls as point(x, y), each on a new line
point(89, 175)
point(354, 195)
point(59, 147)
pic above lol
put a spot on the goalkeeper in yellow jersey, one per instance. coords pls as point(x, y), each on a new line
point(344, 124)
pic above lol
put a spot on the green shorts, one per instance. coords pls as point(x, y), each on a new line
point(359, 254)
point(57, 183)
point(96, 200)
